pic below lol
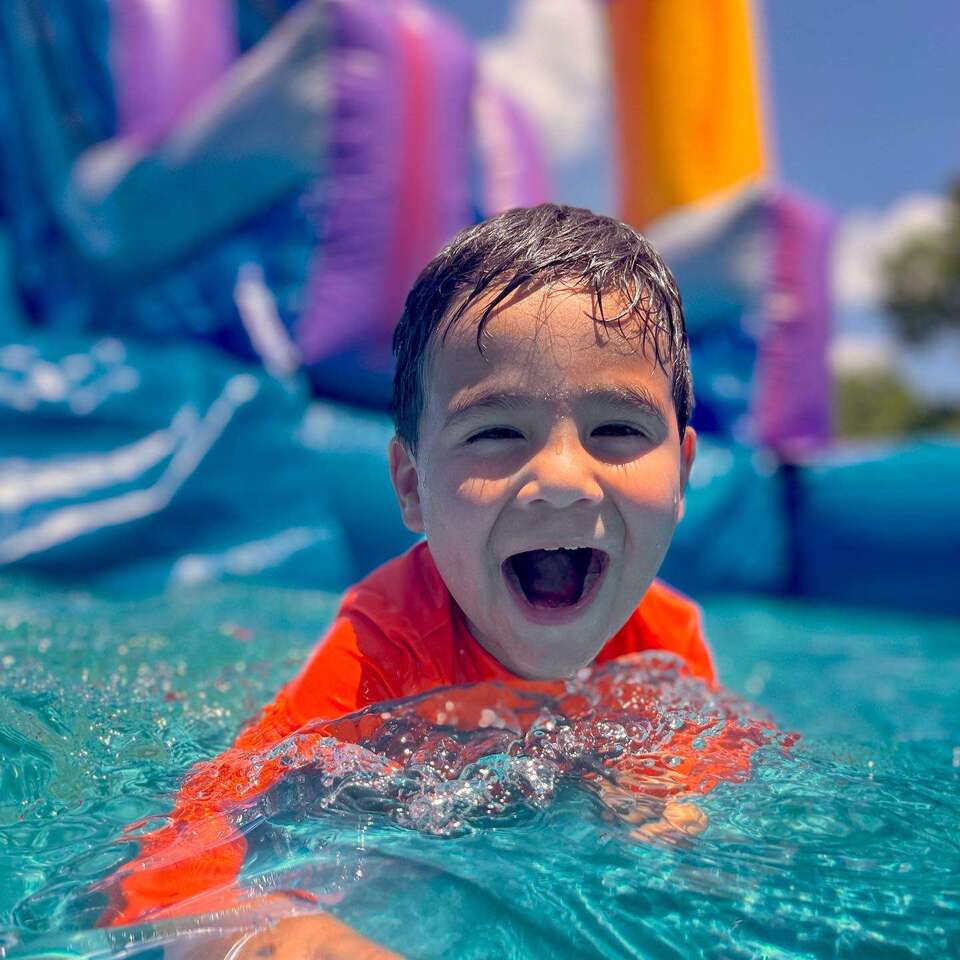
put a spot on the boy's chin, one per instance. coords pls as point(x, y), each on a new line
point(554, 653)
point(536, 652)
point(561, 668)
point(553, 643)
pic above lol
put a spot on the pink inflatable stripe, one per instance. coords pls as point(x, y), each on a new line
point(454, 79)
point(414, 226)
point(433, 202)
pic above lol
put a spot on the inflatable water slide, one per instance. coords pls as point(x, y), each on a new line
point(208, 219)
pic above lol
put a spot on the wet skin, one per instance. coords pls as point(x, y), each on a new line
point(561, 433)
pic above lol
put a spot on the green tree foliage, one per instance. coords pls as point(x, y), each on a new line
point(922, 278)
point(877, 404)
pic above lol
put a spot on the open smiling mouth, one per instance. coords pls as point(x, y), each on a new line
point(555, 580)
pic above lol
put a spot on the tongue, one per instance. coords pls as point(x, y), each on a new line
point(552, 578)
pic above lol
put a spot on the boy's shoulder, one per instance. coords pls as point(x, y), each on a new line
point(668, 605)
point(396, 634)
point(408, 586)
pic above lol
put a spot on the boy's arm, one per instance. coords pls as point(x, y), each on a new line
point(316, 936)
point(267, 929)
point(661, 799)
point(357, 664)
point(191, 865)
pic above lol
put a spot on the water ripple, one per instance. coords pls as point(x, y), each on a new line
point(491, 821)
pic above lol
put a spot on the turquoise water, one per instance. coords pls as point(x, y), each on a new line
point(845, 844)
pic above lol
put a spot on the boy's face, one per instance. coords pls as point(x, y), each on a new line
point(549, 478)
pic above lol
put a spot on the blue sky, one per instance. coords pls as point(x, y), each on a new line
point(864, 96)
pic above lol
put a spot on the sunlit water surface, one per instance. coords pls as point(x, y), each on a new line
point(498, 843)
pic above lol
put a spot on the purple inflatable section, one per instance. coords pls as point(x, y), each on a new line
point(792, 407)
point(166, 56)
point(403, 80)
point(400, 83)
point(343, 299)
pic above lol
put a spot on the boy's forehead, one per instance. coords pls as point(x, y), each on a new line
point(547, 345)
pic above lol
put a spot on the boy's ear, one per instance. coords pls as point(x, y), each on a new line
point(403, 474)
point(688, 452)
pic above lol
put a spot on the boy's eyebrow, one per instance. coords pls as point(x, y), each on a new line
point(491, 399)
point(627, 395)
point(621, 395)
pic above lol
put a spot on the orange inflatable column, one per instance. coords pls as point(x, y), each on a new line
point(688, 105)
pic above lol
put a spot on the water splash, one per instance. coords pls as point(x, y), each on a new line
point(639, 729)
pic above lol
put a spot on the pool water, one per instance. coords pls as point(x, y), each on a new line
point(843, 844)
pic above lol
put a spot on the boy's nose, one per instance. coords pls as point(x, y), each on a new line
point(560, 475)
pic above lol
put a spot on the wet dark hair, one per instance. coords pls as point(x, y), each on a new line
point(530, 247)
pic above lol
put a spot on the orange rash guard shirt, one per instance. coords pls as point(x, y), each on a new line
point(398, 633)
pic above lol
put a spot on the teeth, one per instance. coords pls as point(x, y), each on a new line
point(568, 548)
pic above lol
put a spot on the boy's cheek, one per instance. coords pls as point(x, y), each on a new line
point(662, 507)
point(468, 503)
point(476, 492)
point(459, 480)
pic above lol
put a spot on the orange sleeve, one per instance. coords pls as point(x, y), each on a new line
point(696, 649)
point(191, 864)
point(700, 758)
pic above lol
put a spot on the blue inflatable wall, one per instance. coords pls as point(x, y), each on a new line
point(131, 466)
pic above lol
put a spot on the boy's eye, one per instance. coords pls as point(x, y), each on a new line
point(496, 433)
point(617, 430)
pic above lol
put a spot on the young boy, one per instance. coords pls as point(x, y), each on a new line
point(541, 399)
